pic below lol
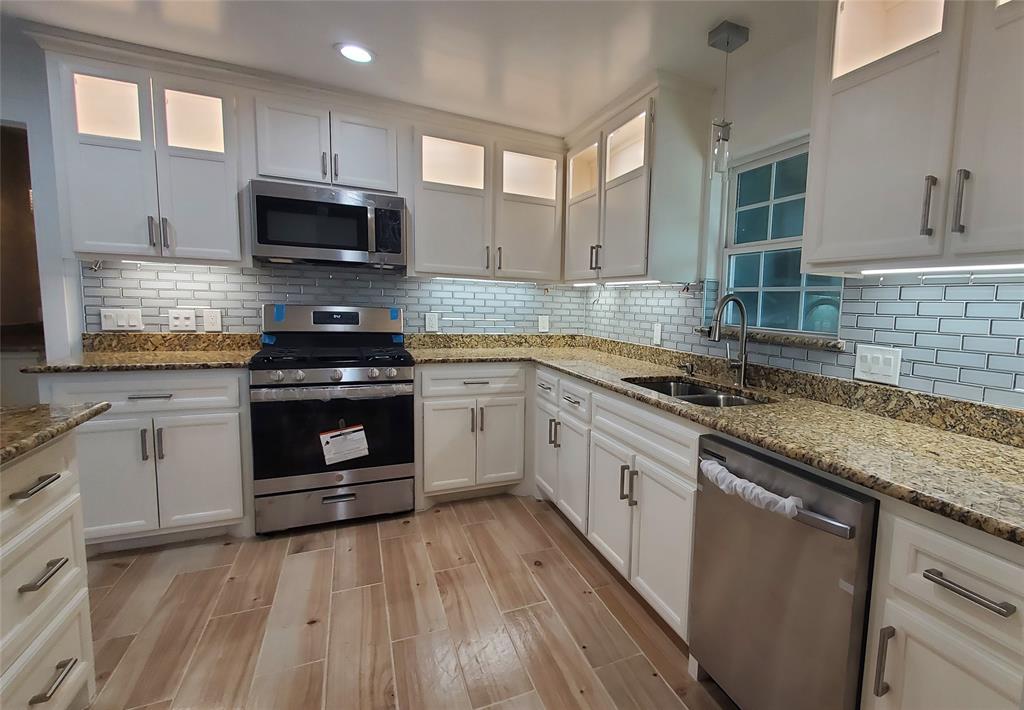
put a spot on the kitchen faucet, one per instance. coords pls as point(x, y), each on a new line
point(715, 335)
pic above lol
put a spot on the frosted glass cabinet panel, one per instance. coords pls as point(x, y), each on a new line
point(107, 107)
point(583, 168)
point(868, 30)
point(449, 162)
point(626, 148)
point(194, 121)
point(529, 175)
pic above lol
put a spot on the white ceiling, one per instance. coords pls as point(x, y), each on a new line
point(540, 65)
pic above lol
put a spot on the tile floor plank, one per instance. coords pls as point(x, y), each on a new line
point(220, 673)
point(446, 544)
point(293, 689)
point(356, 556)
point(427, 673)
point(490, 666)
point(414, 605)
point(473, 510)
point(320, 539)
point(635, 685)
point(108, 654)
point(254, 575)
point(521, 529)
point(530, 701)
point(96, 595)
point(399, 526)
point(595, 630)
point(297, 627)
point(535, 505)
point(106, 570)
point(359, 671)
point(580, 556)
point(561, 674)
point(506, 574)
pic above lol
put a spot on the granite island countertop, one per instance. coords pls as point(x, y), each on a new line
point(974, 481)
point(134, 360)
point(23, 429)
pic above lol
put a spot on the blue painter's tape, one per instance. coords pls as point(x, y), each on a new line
point(398, 339)
point(268, 339)
point(395, 313)
point(278, 311)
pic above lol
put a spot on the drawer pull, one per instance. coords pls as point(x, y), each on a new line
point(1004, 609)
point(64, 669)
point(546, 388)
point(570, 400)
point(340, 498)
point(41, 483)
point(52, 568)
point(476, 382)
point(884, 634)
point(134, 397)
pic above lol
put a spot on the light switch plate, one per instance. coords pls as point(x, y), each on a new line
point(211, 320)
point(433, 324)
point(543, 323)
point(181, 319)
point(121, 319)
point(878, 364)
point(657, 334)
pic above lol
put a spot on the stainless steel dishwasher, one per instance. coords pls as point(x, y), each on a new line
point(778, 605)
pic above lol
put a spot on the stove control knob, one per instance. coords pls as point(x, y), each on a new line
point(276, 376)
point(373, 374)
point(391, 372)
point(336, 375)
point(300, 375)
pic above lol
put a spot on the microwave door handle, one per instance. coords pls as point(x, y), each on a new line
point(371, 229)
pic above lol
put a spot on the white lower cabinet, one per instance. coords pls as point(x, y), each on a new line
point(545, 455)
point(611, 508)
point(572, 438)
point(449, 444)
point(500, 437)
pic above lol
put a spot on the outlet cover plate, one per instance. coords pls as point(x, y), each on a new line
point(543, 324)
point(657, 334)
point(211, 320)
point(181, 319)
point(433, 322)
point(878, 364)
point(121, 319)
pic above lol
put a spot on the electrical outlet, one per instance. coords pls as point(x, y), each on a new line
point(211, 320)
point(543, 323)
point(181, 319)
point(878, 364)
point(657, 334)
point(433, 324)
point(121, 319)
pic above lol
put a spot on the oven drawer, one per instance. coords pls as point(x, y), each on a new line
point(326, 505)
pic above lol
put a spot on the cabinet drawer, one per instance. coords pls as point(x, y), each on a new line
point(40, 480)
point(462, 380)
point(41, 570)
point(958, 571)
point(62, 652)
point(574, 398)
point(132, 393)
point(547, 385)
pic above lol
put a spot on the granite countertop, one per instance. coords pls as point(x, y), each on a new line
point(23, 429)
point(976, 482)
point(109, 361)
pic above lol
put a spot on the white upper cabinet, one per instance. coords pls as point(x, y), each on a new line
point(453, 204)
point(583, 211)
point(528, 224)
point(364, 152)
point(293, 140)
point(623, 246)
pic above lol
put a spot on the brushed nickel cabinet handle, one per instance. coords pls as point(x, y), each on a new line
point(134, 397)
point(476, 382)
point(962, 176)
point(152, 230)
point(551, 431)
point(335, 166)
point(597, 257)
point(165, 230)
point(160, 443)
point(52, 567)
point(593, 250)
point(499, 258)
point(487, 256)
point(930, 181)
point(323, 164)
point(472, 420)
point(623, 470)
point(556, 443)
point(884, 634)
point(632, 482)
point(64, 669)
point(41, 483)
point(481, 418)
point(1003, 609)
point(546, 388)
point(144, 440)
point(570, 400)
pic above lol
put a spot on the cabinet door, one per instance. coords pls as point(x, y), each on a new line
point(293, 140)
point(449, 444)
point(663, 540)
point(627, 151)
point(583, 211)
point(199, 468)
point(545, 455)
point(878, 132)
point(610, 526)
point(990, 141)
point(500, 439)
point(109, 173)
point(528, 231)
point(117, 470)
point(453, 205)
point(197, 169)
point(364, 152)
point(928, 665)
point(572, 439)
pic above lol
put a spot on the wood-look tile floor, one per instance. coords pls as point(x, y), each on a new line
point(489, 603)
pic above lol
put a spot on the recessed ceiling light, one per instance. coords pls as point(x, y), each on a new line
point(354, 53)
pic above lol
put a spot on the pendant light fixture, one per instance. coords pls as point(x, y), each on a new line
point(727, 37)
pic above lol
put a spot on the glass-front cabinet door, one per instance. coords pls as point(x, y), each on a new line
point(583, 211)
point(626, 182)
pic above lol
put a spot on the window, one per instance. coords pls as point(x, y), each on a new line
point(763, 249)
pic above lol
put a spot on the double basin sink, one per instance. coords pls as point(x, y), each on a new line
point(689, 392)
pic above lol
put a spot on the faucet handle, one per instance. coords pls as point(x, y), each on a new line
point(687, 367)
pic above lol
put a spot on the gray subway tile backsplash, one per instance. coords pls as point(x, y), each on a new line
point(960, 339)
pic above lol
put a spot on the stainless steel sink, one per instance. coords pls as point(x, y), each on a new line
point(694, 394)
point(673, 388)
point(718, 400)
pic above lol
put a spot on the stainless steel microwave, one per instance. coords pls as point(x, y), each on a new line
point(303, 223)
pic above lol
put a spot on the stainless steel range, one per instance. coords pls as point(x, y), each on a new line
point(331, 397)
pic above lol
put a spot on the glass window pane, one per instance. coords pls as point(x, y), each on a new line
point(583, 172)
point(453, 163)
point(106, 107)
point(781, 310)
point(749, 298)
point(626, 147)
point(753, 186)
point(752, 225)
point(791, 176)
point(782, 268)
point(745, 270)
point(817, 280)
point(529, 175)
point(821, 311)
point(788, 219)
point(194, 121)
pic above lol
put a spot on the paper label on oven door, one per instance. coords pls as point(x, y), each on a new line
point(344, 444)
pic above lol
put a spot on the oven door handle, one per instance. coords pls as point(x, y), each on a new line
point(324, 394)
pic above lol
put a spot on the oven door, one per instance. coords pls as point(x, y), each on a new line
point(287, 423)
